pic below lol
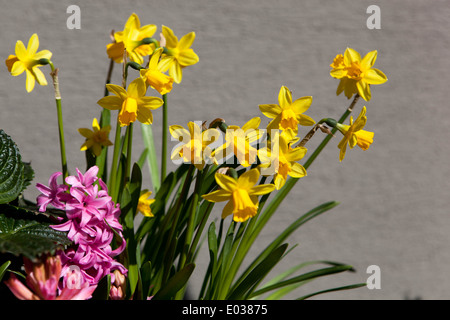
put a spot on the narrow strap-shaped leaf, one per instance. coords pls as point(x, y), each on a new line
point(175, 283)
point(352, 286)
point(3, 269)
point(306, 276)
point(147, 137)
point(257, 274)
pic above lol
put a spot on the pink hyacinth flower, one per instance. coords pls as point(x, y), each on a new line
point(42, 278)
point(53, 194)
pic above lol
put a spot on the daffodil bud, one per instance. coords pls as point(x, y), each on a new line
point(233, 173)
point(219, 123)
point(43, 61)
point(149, 41)
point(331, 122)
point(135, 65)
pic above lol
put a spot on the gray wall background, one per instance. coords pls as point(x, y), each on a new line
point(394, 197)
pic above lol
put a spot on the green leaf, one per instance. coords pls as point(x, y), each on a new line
point(29, 237)
point(175, 284)
point(246, 287)
point(304, 277)
point(283, 236)
point(11, 169)
point(103, 289)
point(352, 286)
point(3, 269)
point(147, 137)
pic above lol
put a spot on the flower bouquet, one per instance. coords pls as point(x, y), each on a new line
point(103, 233)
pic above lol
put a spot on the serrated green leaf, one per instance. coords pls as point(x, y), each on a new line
point(29, 237)
point(11, 169)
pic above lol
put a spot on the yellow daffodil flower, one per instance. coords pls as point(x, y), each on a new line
point(132, 102)
point(179, 54)
point(287, 114)
point(195, 147)
point(130, 40)
point(144, 204)
point(281, 159)
point(95, 139)
point(154, 77)
point(28, 60)
point(238, 141)
point(354, 135)
point(356, 74)
point(241, 194)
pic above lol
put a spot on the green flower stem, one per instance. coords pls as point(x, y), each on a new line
point(115, 160)
point(129, 139)
point(164, 139)
point(191, 220)
point(62, 143)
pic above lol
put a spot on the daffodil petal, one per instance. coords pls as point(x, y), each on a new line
point(364, 90)
point(338, 73)
point(18, 68)
point(351, 55)
point(262, 189)
point(30, 81)
point(43, 54)
point(147, 31)
point(145, 115)
point(217, 196)
point(369, 60)
point(171, 39)
point(225, 182)
point(151, 103)
point(137, 88)
point(252, 124)
point(305, 120)
point(374, 76)
point(270, 110)
point(187, 57)
point(176, 72)
point(87, 133)
point(186, 41)
point(297, 171)
point(248, 179)
point(117, 90)
point(165, 63)
point(279, 181)
point(111, 102)
point(302, 104)
point(39, 76)
point(33, 44)
point(296, 154)
point(21, 51)
point(228, 209)
point(284, 97)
